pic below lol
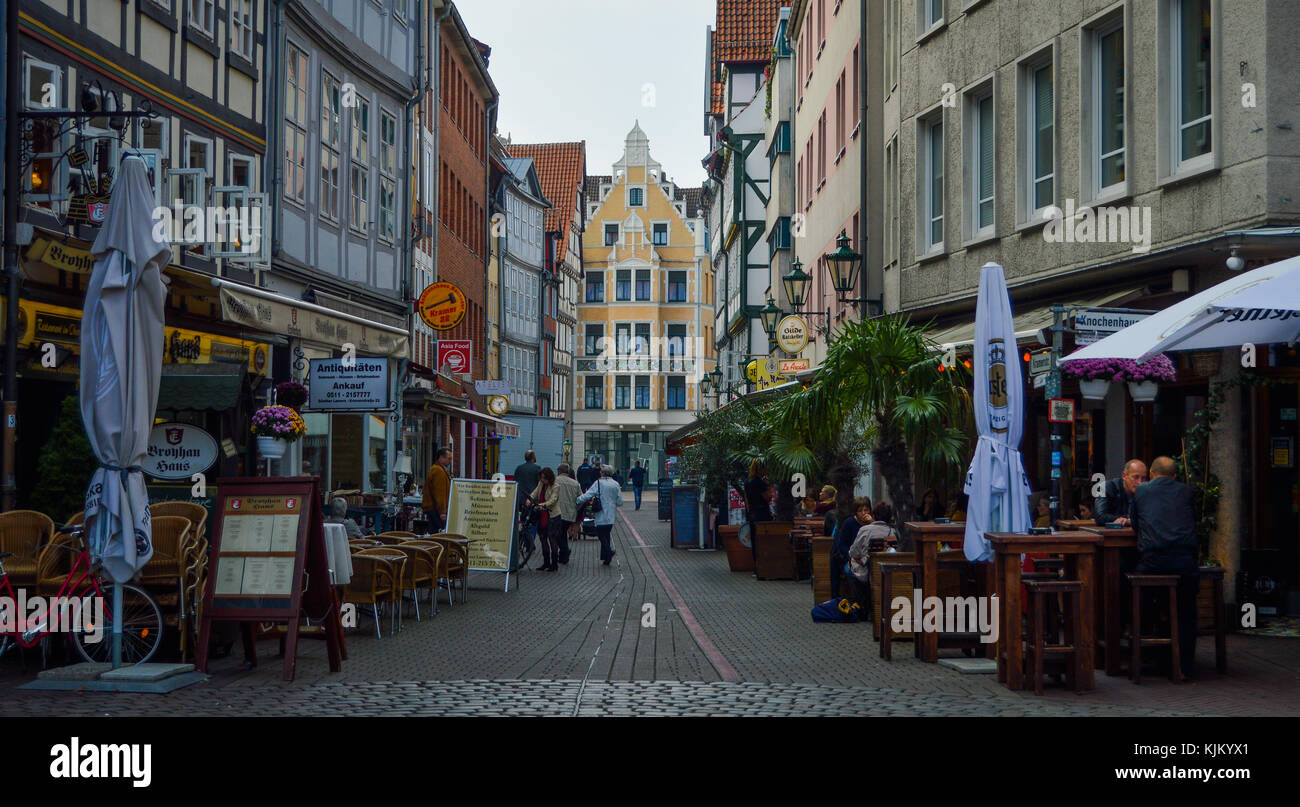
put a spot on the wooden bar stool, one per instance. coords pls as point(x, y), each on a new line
point(887, 572)
point(1039, 648)
point(1140, 582)
point(1216, 624)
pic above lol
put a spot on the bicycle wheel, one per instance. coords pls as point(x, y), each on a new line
point(142, 629)
point(5, 644)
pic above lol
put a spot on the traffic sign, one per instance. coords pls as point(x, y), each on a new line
point(442, 306)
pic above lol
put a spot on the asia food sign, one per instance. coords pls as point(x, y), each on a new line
point(179, 450)
point(454, 356)
point(349, 385)
point(442, 306)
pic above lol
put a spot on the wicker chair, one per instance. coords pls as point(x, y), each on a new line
point(420, 571)
point(441, 556)
point(196, 513)
point(172, 549)
point(457, 565)
point(372, 583)
point(76, 518)
point(397, 534)
point(393, 564)
point(24, 532)
point(55, 563)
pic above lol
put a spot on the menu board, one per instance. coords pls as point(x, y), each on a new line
point(484, 512)
point(257, 548)
point(685, 526)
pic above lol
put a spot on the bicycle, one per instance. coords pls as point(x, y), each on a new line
point(524, 546)
point(141, 617)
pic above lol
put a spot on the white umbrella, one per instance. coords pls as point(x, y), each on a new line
point(121, 364)
point(996, 483)
point(1259, 307)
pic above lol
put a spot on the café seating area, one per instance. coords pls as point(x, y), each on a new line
point(389, 566)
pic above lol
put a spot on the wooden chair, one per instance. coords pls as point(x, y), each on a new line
point(373, 582)
point(904, 580)
point(420, 571)
point(774, 554)
point(23, 533)
point(887, 571)
point(196, 513)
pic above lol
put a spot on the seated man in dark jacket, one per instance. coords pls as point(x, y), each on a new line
point(845, 535)
point(1165, 522)
point(1118, 496)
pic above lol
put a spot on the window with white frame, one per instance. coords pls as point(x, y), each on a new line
point(387, 176)
point(1190, 84)
point(198, 153)
point(891, 201)
point(295, 125)
point(930, 13)
point(242, 30)
point(239, 170)
point(1038, 133)
point(359, 176)
point(980, 180)
point(203, 16)
point(929, 160)
point(893, 52)
point(1103, 131)
point(45, 183)
point(330, 138)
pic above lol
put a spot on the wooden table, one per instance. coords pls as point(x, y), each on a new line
point(1109, 603)
point(1079, 548)
point(926, 536)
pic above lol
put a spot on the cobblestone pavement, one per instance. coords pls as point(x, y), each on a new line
point(573, 643)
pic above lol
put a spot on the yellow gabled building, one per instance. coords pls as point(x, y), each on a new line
point(645, 315)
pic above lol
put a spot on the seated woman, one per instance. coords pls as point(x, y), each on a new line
point(339, 515)
point(930, 508)
point(1085, 510)
point(1043, 511)
point(826, 507)
point(957, 506)
point(877, 536)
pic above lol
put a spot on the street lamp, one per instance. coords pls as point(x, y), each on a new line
point(843, 265)
point(796, 286)
point(770, 314)
point(717, 378)
point(706, 382)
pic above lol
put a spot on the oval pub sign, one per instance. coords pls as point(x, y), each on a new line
point(178, 450)
point(442, 306)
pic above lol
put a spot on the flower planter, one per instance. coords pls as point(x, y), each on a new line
point(1143, 391)
point(739, 557)
point(1094, 390)
point(270, 447)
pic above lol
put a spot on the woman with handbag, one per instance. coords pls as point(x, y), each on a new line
point(606, 497)
point(544, 507)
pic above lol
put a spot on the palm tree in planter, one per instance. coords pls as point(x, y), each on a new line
point(882, 383)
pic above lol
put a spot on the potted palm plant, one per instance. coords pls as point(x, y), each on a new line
point(275, 427)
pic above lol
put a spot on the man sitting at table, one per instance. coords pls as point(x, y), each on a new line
point(845, 535)
point(339, 515)
point(1117, 497)
point(1164, 519)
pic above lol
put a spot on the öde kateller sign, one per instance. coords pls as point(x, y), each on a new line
point(179, 450)
point(353, 384)
point(792, 334)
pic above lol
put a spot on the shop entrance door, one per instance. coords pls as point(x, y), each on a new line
point(1277, 496)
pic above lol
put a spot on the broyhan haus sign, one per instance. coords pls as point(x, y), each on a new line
point(349, 384)
point(178, 450)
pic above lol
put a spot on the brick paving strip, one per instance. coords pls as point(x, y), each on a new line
point(571, 642)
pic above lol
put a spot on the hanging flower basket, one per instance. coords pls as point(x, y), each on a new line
point(291, 394)
point(1156, 368)
point(1094, 389)
point(1143, 391)
point(275, 427)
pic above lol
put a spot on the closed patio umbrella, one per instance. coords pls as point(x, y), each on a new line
point(1258, 307)
point(121, 363)
point(995, 482)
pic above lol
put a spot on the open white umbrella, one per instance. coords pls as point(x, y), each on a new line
point(1258, 307)
point(121, 364)
point(996, 483)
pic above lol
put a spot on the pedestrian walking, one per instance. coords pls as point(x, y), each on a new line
point(637, 478)
point(526, 475)
point(610, 495)
point(543, 508)
point(566, 496)
point(437, 487)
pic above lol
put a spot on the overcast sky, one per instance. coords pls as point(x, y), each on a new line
point(588, 69)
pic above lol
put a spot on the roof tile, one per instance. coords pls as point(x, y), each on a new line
point(562, 169)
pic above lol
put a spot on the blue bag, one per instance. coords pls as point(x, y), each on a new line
point(839, 609)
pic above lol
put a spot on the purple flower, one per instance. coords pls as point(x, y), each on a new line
point(1156, 368)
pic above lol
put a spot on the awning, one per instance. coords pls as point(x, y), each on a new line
point(199, 387)
point(1026, 324)
point(684, 435)
point(499, 427)
point(275, 313)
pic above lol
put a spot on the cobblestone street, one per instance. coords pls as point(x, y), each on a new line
point(572, 643)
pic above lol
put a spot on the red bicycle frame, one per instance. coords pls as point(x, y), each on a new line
point(79, 580)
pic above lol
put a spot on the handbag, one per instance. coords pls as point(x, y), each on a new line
point(543, 517)
point(594, 504)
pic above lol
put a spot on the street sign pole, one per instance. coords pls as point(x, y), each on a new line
point(1054, 391)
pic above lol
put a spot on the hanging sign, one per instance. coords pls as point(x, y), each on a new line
point(179, 450)
point(792, 334)
point(492, 387)
point(358, 384)
point(1060, 410)
point(454, 356)
point(442, 306)
point(1040, 363)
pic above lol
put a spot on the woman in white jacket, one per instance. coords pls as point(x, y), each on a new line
point(611, 498)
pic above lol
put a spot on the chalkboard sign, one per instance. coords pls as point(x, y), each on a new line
point(269, 562)
point(685, 517)
point(665, 499)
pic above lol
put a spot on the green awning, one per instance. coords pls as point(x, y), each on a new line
point(199, 387)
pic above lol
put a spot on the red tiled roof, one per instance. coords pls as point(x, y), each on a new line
point(743, 33)
point(562, 169)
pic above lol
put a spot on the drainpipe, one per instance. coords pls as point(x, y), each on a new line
point(275, 121)
point(487, 197)
point(13, 94)
point(869, 275)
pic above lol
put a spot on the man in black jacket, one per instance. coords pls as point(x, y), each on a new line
point(1165, 522)
point(1117, 498)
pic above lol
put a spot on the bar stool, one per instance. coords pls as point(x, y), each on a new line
point(1140, 582)
point(1039, 649)
point(887, 572)
point(1219, 625)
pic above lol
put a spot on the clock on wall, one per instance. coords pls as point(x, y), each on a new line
point(498, 404)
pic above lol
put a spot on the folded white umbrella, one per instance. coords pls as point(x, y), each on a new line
point(121, 364)
point(1258, 307)
point(996, 482)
